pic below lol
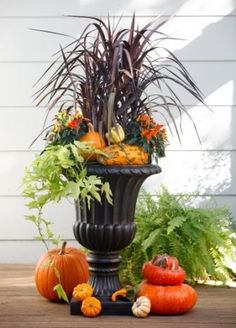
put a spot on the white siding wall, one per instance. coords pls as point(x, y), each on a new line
point(208, 51)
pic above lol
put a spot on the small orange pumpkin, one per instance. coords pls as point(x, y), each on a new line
point(70, 263)
point(91, 307)
point(96, 141)
point(82, 291)
point(120, 292)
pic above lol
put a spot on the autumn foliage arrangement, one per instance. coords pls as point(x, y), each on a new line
point(104, 79)
point(111, 93)
point(149, 136)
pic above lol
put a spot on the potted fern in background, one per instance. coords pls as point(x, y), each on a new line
point(106, 87)
point(202, 238)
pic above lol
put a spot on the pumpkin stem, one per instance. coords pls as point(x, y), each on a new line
point(155, 260)
point(166, 262)
point(160, 260)
point(90, 127)
point(63, 248)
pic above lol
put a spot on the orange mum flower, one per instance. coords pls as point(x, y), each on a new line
point(72, 124)
point(148, 134)
point(145, 120)
point(158, 127)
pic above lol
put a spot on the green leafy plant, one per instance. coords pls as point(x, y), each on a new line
point(203, 239)
point(59, 172)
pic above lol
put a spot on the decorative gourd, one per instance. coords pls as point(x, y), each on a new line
point(141, 307)
point(69, 262)
point(96, 141)
point(168, 299)
point(116, 135)
point(120, 292)
point(164, 270)
point(123, 154)
point(91, 307)
point(82, 291)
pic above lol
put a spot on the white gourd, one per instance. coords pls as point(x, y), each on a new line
point(141, 307)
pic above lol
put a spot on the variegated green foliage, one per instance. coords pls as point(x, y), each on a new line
point(203, 239)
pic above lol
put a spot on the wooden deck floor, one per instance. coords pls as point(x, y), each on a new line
point(21, 306)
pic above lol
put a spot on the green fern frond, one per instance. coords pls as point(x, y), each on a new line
point(201, 238)
point(175, 223)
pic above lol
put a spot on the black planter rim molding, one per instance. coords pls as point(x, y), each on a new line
point(149, 169)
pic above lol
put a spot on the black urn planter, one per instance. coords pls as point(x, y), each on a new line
point(106, 229)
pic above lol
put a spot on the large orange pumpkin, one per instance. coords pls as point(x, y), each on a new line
point(168, 299)
point(72, 266)
point(96, 141)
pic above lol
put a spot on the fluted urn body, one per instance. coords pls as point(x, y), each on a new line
point(106, 229)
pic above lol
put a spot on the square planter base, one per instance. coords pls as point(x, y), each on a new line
point(120, 307)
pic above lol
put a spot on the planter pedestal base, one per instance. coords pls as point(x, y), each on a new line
point(104, 270)
point(105, 229)
point(120, 307)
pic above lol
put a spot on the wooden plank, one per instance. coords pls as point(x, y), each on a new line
point(23, 255)
point(201, 172)
point(17, 233)
point(30, 121)
point(21, 306)
point(214, 132)
point(195, 172)
point(200, 41)
point(213, 78)
point(102, 7)
point(62, 214)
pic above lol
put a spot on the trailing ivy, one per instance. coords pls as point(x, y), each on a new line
point(203, 239)
point(59, 172)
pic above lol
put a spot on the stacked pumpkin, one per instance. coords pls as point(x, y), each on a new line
point(164, 286)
